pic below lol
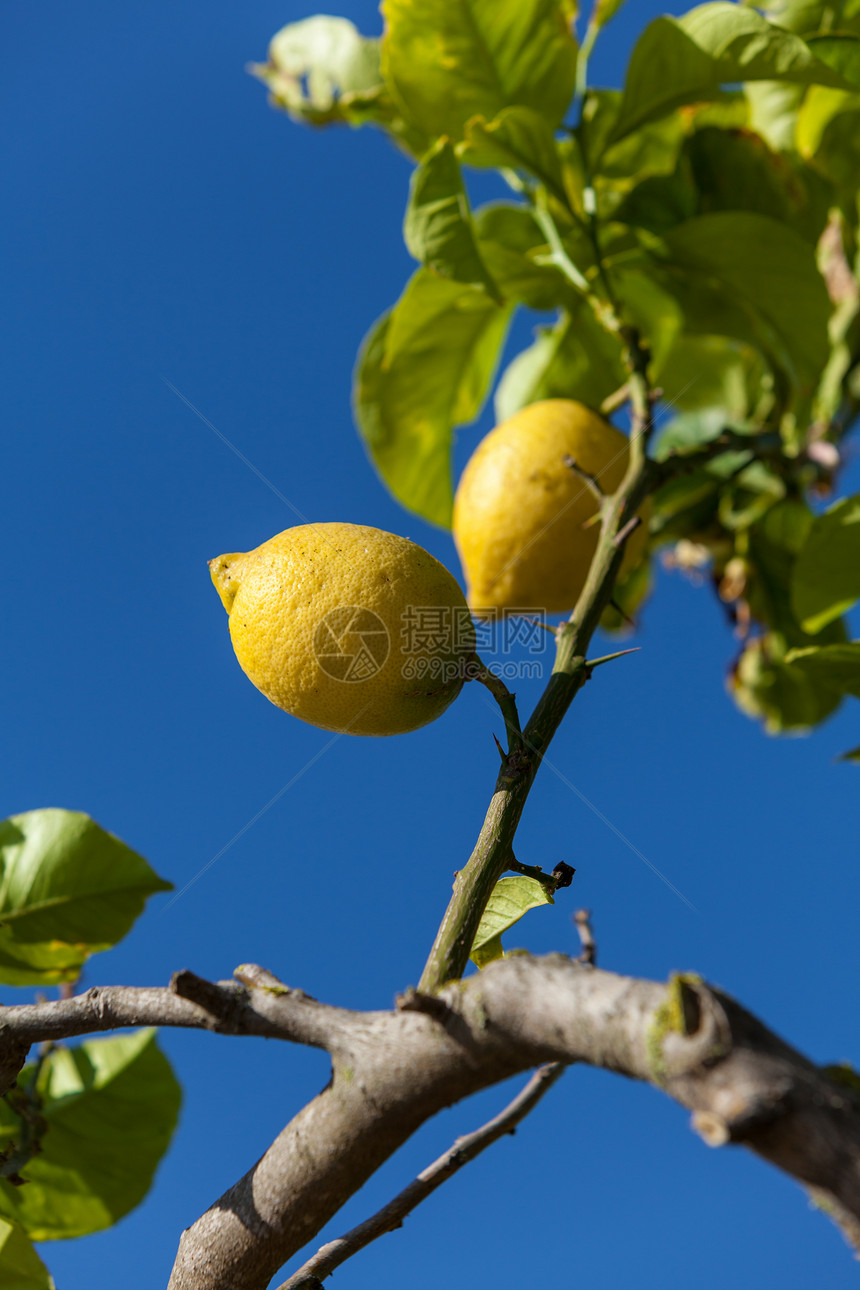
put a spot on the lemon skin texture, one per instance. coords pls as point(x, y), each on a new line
point(519, 511)
point(326, 620)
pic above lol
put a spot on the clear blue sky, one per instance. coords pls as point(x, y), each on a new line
point(162, 222)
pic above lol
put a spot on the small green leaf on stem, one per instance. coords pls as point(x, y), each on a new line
point(511, 898)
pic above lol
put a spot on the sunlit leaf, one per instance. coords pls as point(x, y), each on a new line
point(712, 372)
point(686, 60)
point(111, 1107)
point(438, 227)
point(517, 139)
point(828, 133)
point(20, 1266)
point(67, 889)
point(773, 109)
point(512, 897)
point(424, 369)
point(576, 359)
point(450, 60)
point(513, 248)
point(826, 580)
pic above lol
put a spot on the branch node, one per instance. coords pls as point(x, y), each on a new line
point(255, 977)
point(412, 1000)
point(711, 1128)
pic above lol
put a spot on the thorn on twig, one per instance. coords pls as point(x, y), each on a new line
point(613, 604)
point(592, 663)
point(502, 752)
point(412, 1000)
point(539, 622)
point(582, 919)
point(591, 481)
point(623, 534)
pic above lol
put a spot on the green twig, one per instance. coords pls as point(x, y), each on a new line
point(558, 256)
point(477, 670)
point(493, 850)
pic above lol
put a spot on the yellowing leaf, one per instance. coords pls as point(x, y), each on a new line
point(450, 60)
point(512, 897)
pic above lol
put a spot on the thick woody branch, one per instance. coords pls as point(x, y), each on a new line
point(391, 1216)
point(392, 1071)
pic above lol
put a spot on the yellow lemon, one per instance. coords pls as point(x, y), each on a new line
point(521, 514)
point(347, 627)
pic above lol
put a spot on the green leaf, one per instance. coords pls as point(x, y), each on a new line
point(512, 246)
point(438, 229)
point(773, 107)
point(576, 359)
point(774, 542)
point(450, 60)
point(834, 666)
point(841, 52)
point(828, 133)
point(652, 149)
point(735, 170)
point(801, 16)
point(424, 368)
point(853, 755)
point(67, 889)
point(483, 954)
point(712, 372)
point(826, 579)
point(686, 60)
point(764, 686)
point(111, 1107)
point(766, 268)
point(20, 1266)
point(511, 898)
point(517, 139)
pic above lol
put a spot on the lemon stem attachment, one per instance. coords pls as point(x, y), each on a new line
point(493, 850)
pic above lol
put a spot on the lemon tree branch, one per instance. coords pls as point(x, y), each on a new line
point(391, 1216)
point(392, 1071)
point(475, 882)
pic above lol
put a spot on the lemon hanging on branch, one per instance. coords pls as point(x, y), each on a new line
point(347, 627)
point(524, 519)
